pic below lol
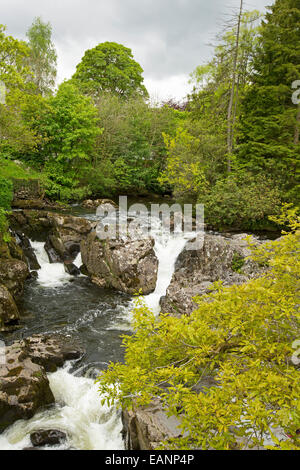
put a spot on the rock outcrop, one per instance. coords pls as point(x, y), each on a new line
point(128, 266)
point(146, 427)
point(28, 252)
point(9, 313)
point(220, 259)
point(63, 233)
point(24, 386)
point(13, 273)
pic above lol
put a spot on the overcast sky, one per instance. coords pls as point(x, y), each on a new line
point(169, 38)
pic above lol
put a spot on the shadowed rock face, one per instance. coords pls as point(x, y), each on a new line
point(9, 313)
point(24, 386)
point(196, 270)
point(128, 266)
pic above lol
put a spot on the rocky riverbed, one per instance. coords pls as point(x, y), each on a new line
point(65, 298)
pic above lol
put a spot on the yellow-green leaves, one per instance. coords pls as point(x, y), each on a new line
point(226, 370)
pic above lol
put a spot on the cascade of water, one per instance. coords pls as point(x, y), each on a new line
point(78, 410)
point(78, 413)
point(50, 274)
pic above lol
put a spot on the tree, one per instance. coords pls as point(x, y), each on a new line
point(198, 155)
point(15, 135)
point(242, 337)
point(42, 58)
point(230, 116)
point(69, 124)
point(110, 67)
point(270, 120)
point(12, 60)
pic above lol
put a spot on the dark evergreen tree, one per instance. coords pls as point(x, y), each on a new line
point(269, 126)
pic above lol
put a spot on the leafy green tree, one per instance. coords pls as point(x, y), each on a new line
point(12, 60)
point(69, 124)
point(15, 135)
point(241, 338)
point(42, 57)
point(110, 67)
point(269, 128)
point(184, 170)
point(198, 155)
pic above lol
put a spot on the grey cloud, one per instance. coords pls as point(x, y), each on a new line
point(168, 37)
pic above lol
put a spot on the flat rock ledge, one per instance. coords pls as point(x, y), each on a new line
point(24, 385)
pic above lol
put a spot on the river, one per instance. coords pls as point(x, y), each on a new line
point(56, 302)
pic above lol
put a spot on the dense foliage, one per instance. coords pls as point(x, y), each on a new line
point(5, 200)
point(233, 145)
point(241, 338)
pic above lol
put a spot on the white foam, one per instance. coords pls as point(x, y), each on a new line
point(88, 424)
point(50, 274)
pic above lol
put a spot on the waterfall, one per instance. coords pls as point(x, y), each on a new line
point(167, 252)
point(78, 411)
point(50, 274)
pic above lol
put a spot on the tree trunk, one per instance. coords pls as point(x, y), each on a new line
point(232, 93)
point(297, 128)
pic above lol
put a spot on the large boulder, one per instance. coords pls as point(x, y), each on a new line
point(13, 274)
point(24, 386)
point(67, 233)
point(9, 314)
point(221, 258)
point(128, 266)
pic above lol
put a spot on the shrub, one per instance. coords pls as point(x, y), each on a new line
point(242, 201)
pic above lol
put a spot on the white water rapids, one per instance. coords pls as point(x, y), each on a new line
point(78, 411)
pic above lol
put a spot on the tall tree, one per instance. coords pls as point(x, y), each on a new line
point(42, 59)
point(110, 67)
point(270, 120)
point(234, 86)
